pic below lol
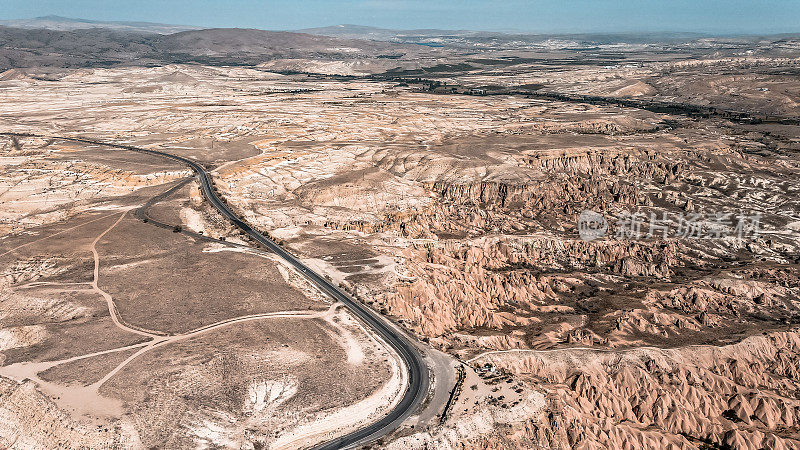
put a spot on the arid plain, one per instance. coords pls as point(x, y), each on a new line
point(447, 199)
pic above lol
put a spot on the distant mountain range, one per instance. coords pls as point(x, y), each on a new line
point(425, 35)
point(67, 24)
point(385, 34)
point(57, 42)
point(99, 47)
point(452, 36)
point(349, 31)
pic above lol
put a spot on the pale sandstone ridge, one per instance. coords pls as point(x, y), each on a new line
point(742, 396)
point(177, 77)
point(14, 74)
point(635, 89)
point(488, 283)
point(48, 426)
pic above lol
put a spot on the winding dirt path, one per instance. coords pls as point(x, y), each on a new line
point(86, 399)
point(112, 308)
point(55, 234)
point(417, 380)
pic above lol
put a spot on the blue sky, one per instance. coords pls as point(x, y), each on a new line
point(714, 16)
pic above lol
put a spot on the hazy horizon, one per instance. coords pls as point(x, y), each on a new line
point(516, 16)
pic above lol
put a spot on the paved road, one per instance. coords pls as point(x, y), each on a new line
point(418, 379)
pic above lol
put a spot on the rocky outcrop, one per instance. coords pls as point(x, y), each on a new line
point(607, 162)
point(545, 187)
point(28, 419)
point(540, 195)
point(729, 295)
point(494, 283)
point(741, 396)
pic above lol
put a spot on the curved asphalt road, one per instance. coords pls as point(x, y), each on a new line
point(418, 379)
